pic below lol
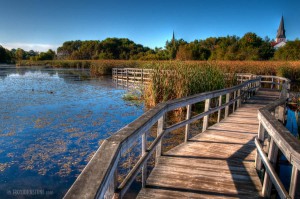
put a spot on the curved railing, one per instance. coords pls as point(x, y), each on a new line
point(98, 179)
point(280, 139)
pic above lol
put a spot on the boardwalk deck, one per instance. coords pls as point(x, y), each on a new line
point(218, 163)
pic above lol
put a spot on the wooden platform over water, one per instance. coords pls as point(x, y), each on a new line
point(218, 163)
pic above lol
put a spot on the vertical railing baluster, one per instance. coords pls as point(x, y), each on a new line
point(205, 118)
point(272, 156)
point(261, 134)
point(295, 183)
point(187, 126)
point(112, 186)
point(272, 83)
point(239, 100)
point(144, 169)
point(127, 77)
point(219, 111)
point(227, 107)
point(233, 105)
point(160, 128)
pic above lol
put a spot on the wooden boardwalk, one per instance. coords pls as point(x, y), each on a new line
point(218, 163)
point(221, 162)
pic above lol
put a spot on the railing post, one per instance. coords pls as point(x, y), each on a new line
point(160, 129)
point(294, 191)
point(227, 107)
point(278, 84)
point(205, 118)
point(187, 127)
point(117, 71)
point(272, 84)
point(219, 111)
point(110, 192)
point(272, 156)
point(261, 134)
point(144, 169)
point(122, 77)
point(127, 77)
point(239, 100)
point(233, 105)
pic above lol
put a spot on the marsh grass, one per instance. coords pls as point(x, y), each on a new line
point(289, 69)
point(181, 81)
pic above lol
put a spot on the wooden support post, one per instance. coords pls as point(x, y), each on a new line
point(127, 78)
point(294, 182)
point(233, 105)
point(219, 111)
point(239, 100)
point(272, 83)
point(187, 127)
point(134, 75)
point(227, 107)
point(278, 84)
point(144, 169)
point(248, 91)
point(272, 156)
point(160, 128)
point(205, 119)
point(142, 76)
point(294, 191)
point(261, 135)
point(110, 192)
point(122, 76)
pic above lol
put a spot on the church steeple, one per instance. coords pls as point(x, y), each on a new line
point(173, 39)
point(281, 32)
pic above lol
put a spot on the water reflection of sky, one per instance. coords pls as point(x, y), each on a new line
point(51, 124)
point(285, 168)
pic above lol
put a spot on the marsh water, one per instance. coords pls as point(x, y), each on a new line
point(51, 123)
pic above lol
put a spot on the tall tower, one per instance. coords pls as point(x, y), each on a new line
point(280, 37)
point(173, 39)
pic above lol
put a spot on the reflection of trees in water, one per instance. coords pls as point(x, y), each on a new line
point(68, 75)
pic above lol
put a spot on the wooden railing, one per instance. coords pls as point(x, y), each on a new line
point(279, 139)
point(99, 178)
point(126, 76)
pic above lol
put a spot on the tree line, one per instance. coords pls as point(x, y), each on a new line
point(14, 55)
point(248, 47)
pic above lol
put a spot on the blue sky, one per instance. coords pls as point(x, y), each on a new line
point(43, 24)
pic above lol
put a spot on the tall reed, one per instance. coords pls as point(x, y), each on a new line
point(182, 80)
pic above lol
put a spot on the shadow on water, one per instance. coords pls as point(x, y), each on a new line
point(52, 121)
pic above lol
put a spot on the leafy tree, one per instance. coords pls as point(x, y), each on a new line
point(184, 53)
point(20, 54)
point(291, 51)
point(4, 57)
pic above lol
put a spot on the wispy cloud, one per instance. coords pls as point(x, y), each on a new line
point(30, 46)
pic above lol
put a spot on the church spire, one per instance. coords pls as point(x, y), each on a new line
point(173, 38)
point(281, 32)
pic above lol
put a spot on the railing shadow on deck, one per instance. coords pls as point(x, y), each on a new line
point(99, 177)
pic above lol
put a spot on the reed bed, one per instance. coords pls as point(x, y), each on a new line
point(181, 81)
point(289, 69)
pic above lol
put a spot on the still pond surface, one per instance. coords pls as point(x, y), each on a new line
point(52, 121)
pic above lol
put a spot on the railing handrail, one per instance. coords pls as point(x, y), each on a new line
point(94, 181)
point(286, 142)
point(281, 139)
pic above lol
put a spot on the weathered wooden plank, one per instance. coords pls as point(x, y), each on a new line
point(217, 162)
